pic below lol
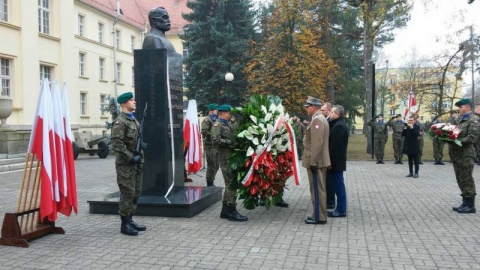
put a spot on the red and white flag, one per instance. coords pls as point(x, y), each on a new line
point(411, 107)
point(191, 138)
point(69, 159)
point(42, 145)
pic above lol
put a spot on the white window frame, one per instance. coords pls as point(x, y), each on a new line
point(133, 76)
point(5, 77)
point(46, 71)
point(82, 58)
point(44, 16)
point(101, 68)
point(101, 27)
point(83, 103)
point(118, 35)
point(4, 10)
point(118, 76)
point(81, 25)
point(132, 43)
point(103, 104)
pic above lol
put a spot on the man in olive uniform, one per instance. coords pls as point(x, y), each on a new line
point(128, 163)
point(380, 136)
point(437, 145)
point(397, 126)
point(420, 138)
point(222, 139)
point(464, 156)
point(451, 120)
point(210, 151)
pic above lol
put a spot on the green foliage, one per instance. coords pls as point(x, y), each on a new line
point(218, 42)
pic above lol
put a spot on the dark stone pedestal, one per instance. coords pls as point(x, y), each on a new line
point(182, 202)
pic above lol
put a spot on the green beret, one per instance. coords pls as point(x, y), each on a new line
point(212, 106)
point(124, 97)
point(224, 108)
point(463, 101)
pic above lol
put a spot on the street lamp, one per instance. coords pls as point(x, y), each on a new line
point(228, 78)
point(374, 59)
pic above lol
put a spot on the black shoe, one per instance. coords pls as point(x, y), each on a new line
point(379, 162)
point(421, 163)
point(135, 225)
point(282, 203)
point(415, 175)
point(330, 206)
point(397, 161)
point(400, 161)
point(231, 213)
point(261, 202)
point(460, 206)
point(409, 175)
point(310, 220)
point(469, 207)
point(210, 184)
point(336, 214)
point(440, 162)
point(126, 227)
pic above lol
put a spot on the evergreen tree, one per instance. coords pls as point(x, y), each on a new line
point(218, 42)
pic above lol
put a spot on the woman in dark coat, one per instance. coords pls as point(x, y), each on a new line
point(411, 147)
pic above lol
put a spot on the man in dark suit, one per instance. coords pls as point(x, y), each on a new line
point(316, 159)
point(338, 142)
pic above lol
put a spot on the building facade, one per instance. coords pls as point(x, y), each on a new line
point(85, 43)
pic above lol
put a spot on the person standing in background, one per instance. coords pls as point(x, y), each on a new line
point(420, 138)
point(210, 151)
point(411, 146)
point(380, 132)
point(437, 145)
point(397, 126)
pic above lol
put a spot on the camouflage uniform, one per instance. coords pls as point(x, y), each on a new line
point(420, 141)
point(397, 139)
point(299, 134)
point(129, 179)
point(464, 156)
point(210, 151)
point(222, 139)
point(380, 138)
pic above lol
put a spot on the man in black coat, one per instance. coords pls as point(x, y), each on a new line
point(338, 142)
point(411, 146)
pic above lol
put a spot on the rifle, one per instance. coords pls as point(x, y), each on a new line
point(138, 147)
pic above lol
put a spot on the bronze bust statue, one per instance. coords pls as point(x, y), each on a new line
point(159, 24)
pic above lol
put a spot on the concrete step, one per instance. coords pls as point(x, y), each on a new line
point(12, 164)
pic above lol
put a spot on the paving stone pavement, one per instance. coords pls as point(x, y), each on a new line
point(393, 223)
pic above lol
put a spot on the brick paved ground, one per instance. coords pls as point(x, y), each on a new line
point(393, 223)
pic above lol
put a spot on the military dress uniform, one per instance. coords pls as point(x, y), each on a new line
point(464, 158)
point(380, 132)
point(421, 141)
point(222, 140)
point(210, 151)
point(128, 167)
point(397, 138)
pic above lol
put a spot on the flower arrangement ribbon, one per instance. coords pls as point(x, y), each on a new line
point(293, 146)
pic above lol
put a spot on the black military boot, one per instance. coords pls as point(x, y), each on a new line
point(400, 161)
point(469, 206)
point(126, 227)
point(136, 226)
point(397, 161)
point(282, 203)
point(460, 206)
point(440, 162)
point(230, 212)
point(210, 184)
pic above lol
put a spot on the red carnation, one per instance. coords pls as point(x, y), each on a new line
point(438, 132)
point(434, 127)
point(452, 136)
point(253, 190)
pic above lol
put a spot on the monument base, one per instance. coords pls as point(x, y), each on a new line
point(12, 141)
point(182, 202)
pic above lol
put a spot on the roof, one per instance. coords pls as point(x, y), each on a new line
point(135, 12)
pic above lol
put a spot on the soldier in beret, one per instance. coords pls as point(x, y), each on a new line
point(222, 139)
point(397, 126)
point(464, 156)
point(129, 177)
point(316, 159)
point(380, 132)
point(210, 151)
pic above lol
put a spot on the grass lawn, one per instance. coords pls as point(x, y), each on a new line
point(357, 149)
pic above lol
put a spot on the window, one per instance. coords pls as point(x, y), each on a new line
point(393, 79)
point(103, 104)
point(45, 72)
point(392, 112)
point(44, 16)
point(81, 22)
point(117, 38)
point(132, 42)
point(83, 103)
point(185, 49)
point(133, 76)
point(5, 76)
point(81, 61)
point(119, 72)
point(101, 68)
point(100, 32)
point(4, 10)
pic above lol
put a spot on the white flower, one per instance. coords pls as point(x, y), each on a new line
point(280, 108)
point(264, 109)
point(270, 128)
point(250, 151)
point(262, 126)
point(268, 117)
point(263, 140)
point(242, 134)
point(252, 130)
point(281, 148)
point(272, 108)
point(254, 119)
point(248, 135)
point(255, 141)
